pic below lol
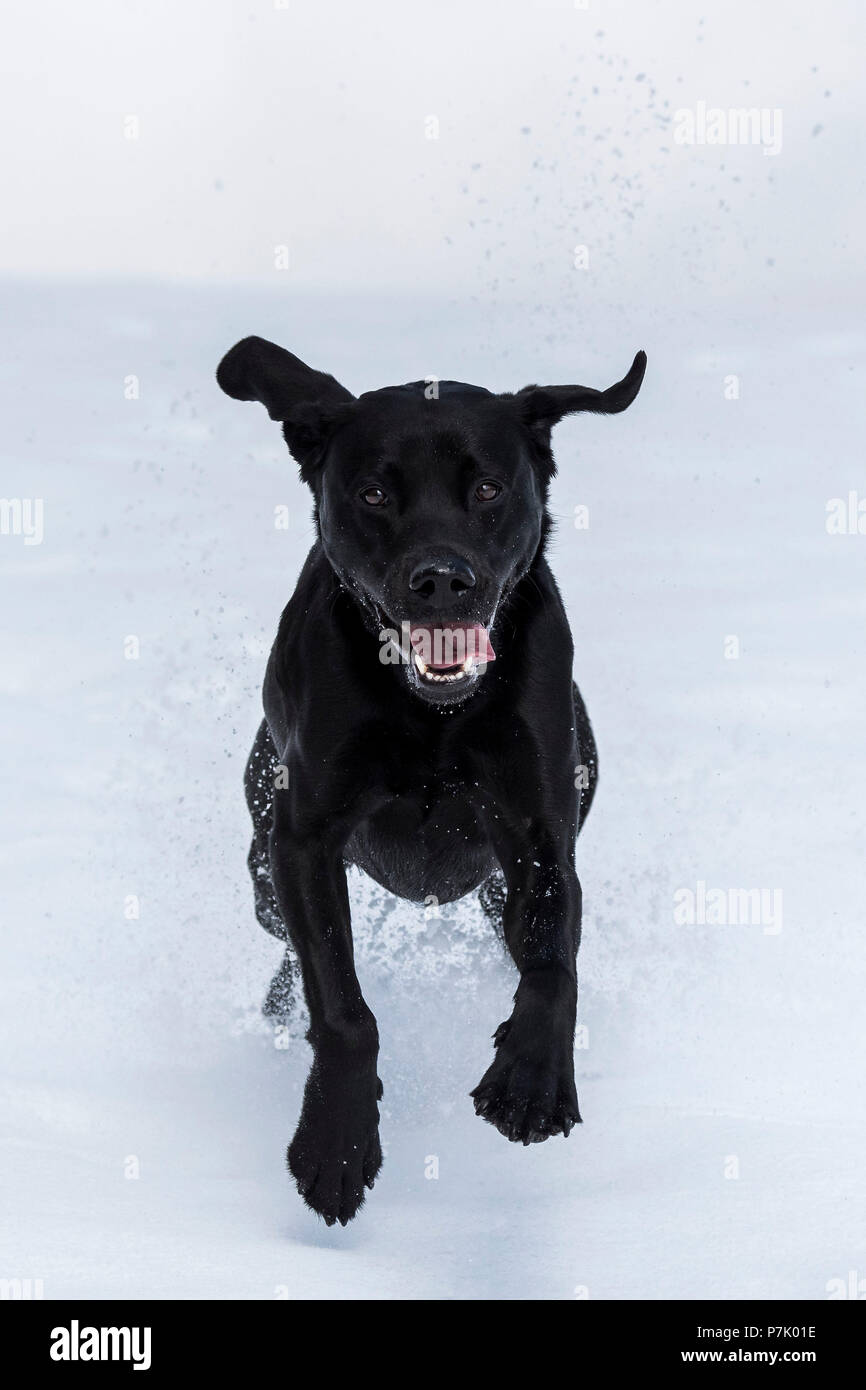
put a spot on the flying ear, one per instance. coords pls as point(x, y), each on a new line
point(544, 406)
point(309, 403)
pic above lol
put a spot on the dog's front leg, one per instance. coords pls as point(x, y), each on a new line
point(528, 1091)
point(335, 1152)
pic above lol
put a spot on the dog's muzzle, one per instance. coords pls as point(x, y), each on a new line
point(449, 653)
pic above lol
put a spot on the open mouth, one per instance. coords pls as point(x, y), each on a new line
point(451, 654)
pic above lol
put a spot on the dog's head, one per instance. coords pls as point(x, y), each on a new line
point(430, 497)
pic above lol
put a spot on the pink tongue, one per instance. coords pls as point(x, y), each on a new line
point(440, 647)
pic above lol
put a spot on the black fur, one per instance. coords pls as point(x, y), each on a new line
point(433, 788)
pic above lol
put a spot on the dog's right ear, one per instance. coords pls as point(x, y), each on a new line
point(308, 403)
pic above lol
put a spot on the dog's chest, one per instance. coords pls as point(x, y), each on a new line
point(425, 841)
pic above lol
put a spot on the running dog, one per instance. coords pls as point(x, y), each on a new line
point(421, 722)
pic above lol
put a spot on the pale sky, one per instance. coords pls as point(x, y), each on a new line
point(306, 125)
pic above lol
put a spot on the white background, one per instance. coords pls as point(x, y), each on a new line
point(140, 1039)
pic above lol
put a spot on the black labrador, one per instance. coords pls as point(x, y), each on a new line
point(421, 722)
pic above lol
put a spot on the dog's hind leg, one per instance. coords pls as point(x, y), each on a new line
point(261, 770)
point(281, 1000)
point(491, 897)
point(586, 772)
point(259, 777)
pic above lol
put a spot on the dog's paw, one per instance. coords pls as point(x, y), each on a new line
point(336, 1156)
point(529, 1095)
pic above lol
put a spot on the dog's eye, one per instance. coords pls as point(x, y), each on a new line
point(374, 497)
point(486, 491)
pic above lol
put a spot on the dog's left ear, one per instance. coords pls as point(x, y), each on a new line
point(542, 407)
point(309, 403)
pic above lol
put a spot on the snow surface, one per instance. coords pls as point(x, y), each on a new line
point(711, 1048)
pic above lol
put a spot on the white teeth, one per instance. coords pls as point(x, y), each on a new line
point(441, 677)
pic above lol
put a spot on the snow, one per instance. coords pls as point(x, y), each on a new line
point(134, 1045)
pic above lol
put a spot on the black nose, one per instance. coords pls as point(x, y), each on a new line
point(442, 581)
